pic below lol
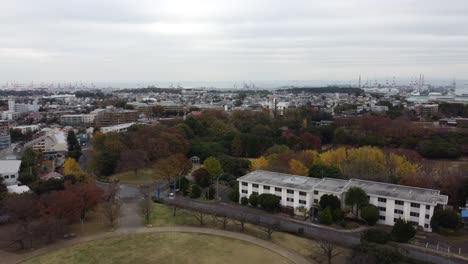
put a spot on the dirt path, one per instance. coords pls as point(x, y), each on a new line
point(295, 258)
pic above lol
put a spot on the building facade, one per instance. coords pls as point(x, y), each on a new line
point(415, 205)
point(5, 138)
point(115, 117)
point(9, 171)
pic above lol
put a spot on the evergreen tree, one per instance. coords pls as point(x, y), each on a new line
point(74, 148)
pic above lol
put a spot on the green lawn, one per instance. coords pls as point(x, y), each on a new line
point(163, 248)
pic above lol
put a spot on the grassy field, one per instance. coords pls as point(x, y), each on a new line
point(162, 216)
point(163, 248)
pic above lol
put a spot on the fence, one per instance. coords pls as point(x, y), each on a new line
point(439, 247)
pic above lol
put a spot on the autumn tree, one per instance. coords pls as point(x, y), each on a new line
point(111, 204)
point(132, 159)
point(173, 166)
point(202, 177)
point(259, 164)
point(213, 166)
point(236, 146)
point(61, 205)
point(297, 168)
point(72, 168)
point(105, 154)
point(88, 197)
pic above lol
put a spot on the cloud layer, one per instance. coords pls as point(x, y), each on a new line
point(128, 40)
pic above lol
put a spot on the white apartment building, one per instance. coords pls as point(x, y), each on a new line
point(117, 128)
point(26, 129)
point(9, 171)
point(77, 119)
point(415, 205)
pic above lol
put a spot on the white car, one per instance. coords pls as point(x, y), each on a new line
point(171, 195)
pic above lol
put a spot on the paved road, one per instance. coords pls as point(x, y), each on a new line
point(292, 256)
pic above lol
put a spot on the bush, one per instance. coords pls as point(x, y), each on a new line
point(234, 196)
point(375, 236)
point(403, 231)
point(331, 201)
point(269, 202)
point(196, 191)
point(202, 177)
point(337, 214)
point(253, 200)
point(447, 219)
point(183, 186)
point(244, 201)
point(351, 225)
point(325, 217)
point(211, 193)
point(300, 231)
point(370, 213)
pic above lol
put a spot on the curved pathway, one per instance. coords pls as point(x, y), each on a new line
point(294, 257)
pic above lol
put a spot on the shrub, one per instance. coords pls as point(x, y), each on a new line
point(196, 191)
point(352, 225)
point(211, 193)
point(244, 201)
point(370, 213)
point(269, 202)
point(375, 236)
point(253, 200)
point(331, 201)
point(337, 214)
point(325, 217)
point(300, 231)
point(403, 231)
point(447, 219)
point(234, 196)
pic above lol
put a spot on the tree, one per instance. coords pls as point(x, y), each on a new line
point(202, 177)
point(329, 250)
point(88, 196)
point(297, 168)
point(72, 168)
point(236, 146)
point(196, 191)
point(253, 200)
point(28, 167)
point(259, 164)
point(210, 195)
point(132, 159)
point(325, 171)
point(403, 231)
point(375, 236)
point(270, 227)
point(74, 148)
point(40, 187)
point(447, 218)
point(234, 196)
point(183, 185)
point(147, 205)
point(325, 217)
point(244, 201)
point(213, 166)
point(3, 189)
point(269, 202)
point(330, 201)
point(61, 205)
point(370, 214)
point(357, 198)
point(174, 166)
point(111, 204)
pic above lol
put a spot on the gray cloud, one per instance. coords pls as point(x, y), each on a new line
point(125, 40)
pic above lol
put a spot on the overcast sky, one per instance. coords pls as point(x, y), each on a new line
point(132, 40)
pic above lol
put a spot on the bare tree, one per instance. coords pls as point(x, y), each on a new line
point(328, 250)
point(269, 228)
point(147, 203)
point(223, 219)
point(200, 216)
point(111, 204)
point(132, 159)
point(240, 220)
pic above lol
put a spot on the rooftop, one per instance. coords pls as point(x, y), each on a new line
point(331, 185)
point(281, 179)
point(9, 166)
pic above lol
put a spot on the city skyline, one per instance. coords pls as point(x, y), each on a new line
point(124, 41)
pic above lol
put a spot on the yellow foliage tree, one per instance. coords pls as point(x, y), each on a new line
point(259, 164)
point(399, 166)
point(337, 157)
point(297, 168)
point(72, 168)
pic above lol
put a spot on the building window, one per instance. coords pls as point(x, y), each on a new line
point(413, 223)
point(415, 205)
point(277, 189)
point(256, 193)
point(383, 200)
point(427, 216)
point(414, 214)
point(399, 202)
point(302, 201)
point(266, 187)
point(382, 217)
point(428, 207)
point(315, 192)
point(398, 211)
point(244, 191)
point(245, 184)
point(302, 193)
point(6, 176)
point(290, 191)
point(290, 199)
point(255, 185)
point(315, 201)
point(426, 226)
point(382, 208)
point(12, 176)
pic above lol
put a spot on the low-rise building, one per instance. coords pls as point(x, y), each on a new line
point(115, 117)
point(9, 171)
point(77, 119)
point(26, 129)
point(415, 205)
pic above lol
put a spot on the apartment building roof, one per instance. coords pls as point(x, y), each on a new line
point(9, 166)
point(281, 180)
